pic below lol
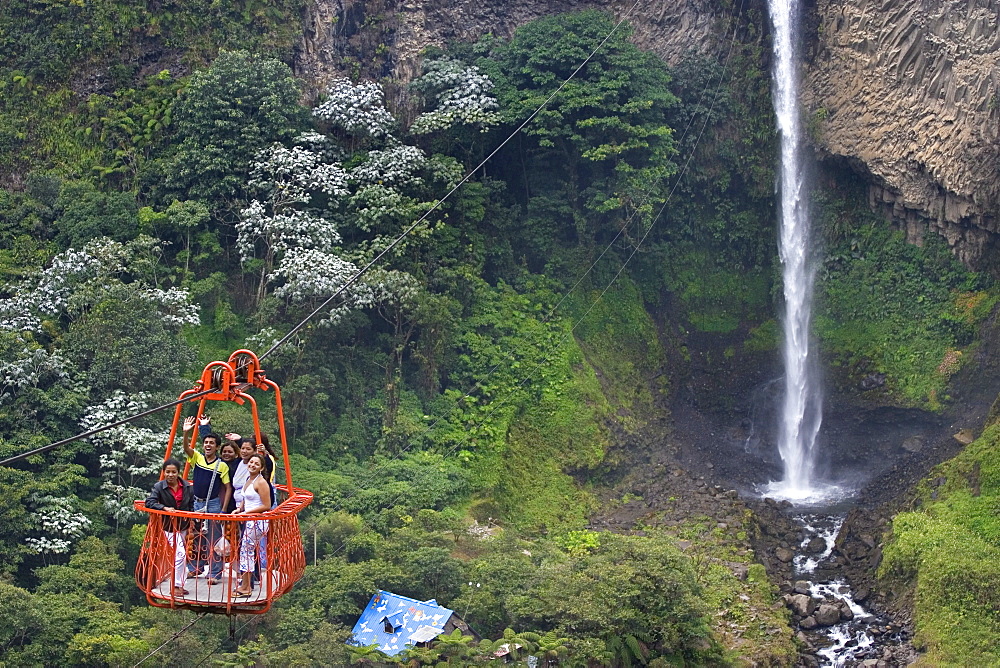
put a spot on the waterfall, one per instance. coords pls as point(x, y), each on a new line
point(801, 412)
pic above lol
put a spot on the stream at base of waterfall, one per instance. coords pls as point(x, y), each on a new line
point(833, 621)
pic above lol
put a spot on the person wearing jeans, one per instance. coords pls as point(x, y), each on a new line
point(212, 490)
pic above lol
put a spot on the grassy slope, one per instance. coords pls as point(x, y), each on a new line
point(947, 555)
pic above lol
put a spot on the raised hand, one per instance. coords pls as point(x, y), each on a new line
point(188, 423)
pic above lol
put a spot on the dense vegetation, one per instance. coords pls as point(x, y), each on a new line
point(946, 556)
point(168, 200)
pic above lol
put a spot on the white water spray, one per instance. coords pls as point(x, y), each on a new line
point(802, 409)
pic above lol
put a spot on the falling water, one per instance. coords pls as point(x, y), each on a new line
point(802, 411)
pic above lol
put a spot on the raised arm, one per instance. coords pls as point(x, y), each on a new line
point(186, 440)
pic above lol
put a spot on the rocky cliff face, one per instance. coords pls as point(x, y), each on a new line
point(909, 92)
point(345, 34)
point(905, 91)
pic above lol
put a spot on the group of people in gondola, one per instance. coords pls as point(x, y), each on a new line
point(236, 478)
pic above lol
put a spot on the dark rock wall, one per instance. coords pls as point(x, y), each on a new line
point(908, 91)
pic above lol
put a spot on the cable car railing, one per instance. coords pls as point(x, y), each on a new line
point(267, 544)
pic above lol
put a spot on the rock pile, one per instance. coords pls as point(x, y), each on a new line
point(810, 611)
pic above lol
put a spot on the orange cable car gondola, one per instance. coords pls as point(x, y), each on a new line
point(281, 558)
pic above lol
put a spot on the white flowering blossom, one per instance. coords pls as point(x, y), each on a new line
point(358, 109)
point(461, 95)
point(282, 231)
point(57, 519)
point(49, 294)
point(174, 305)
point(129, 456)
point(31, 367)
point(264, 339)
point(320, 144)
point(308, 272)
point(303, 189)
point(391, 286)
point(292, 174)
point(47, 545)
point(395, 166)
point(74, 272)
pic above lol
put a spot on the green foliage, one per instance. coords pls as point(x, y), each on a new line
point(717, 299)
point(627, 586)
point(579, 543)
point(85, 213)
point(123, 342)
point(903, 310)
point(104, 45)
point(226, 115)
point(386, 489)
point(25, 226)
point(619, 339)
point(764, 337)
point(93, 569)
point(948, 555)
point(599, 153)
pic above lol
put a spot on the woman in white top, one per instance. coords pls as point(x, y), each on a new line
point(256, 499)
point(241, 473)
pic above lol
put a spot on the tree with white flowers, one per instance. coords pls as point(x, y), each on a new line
point(129, 455)
point(59, 522)
point(458, 94)
point(77, 278)
point(356, 109)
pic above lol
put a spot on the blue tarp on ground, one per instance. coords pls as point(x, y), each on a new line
point(411, 621)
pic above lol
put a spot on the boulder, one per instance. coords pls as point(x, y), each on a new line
point(808, 623)
point(846, 614)
point(828, 614)
point(816, 545)
point(802, 605)
point(801, 586)
point(784, 555)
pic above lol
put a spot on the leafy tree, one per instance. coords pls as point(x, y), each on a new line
point(228, 113)
point(516, 644)
point(552, 648)
point(356, 110)
point(367, 655)
point(20, 618)
point(122, 341)
point(600, 151)
point(129, 455)
point(455, 648)
point(85, 213)
point(94, 568)
point(414, 657)
point(15, 520)
point(59, 521)
point(627, 586)
point(186, 222)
